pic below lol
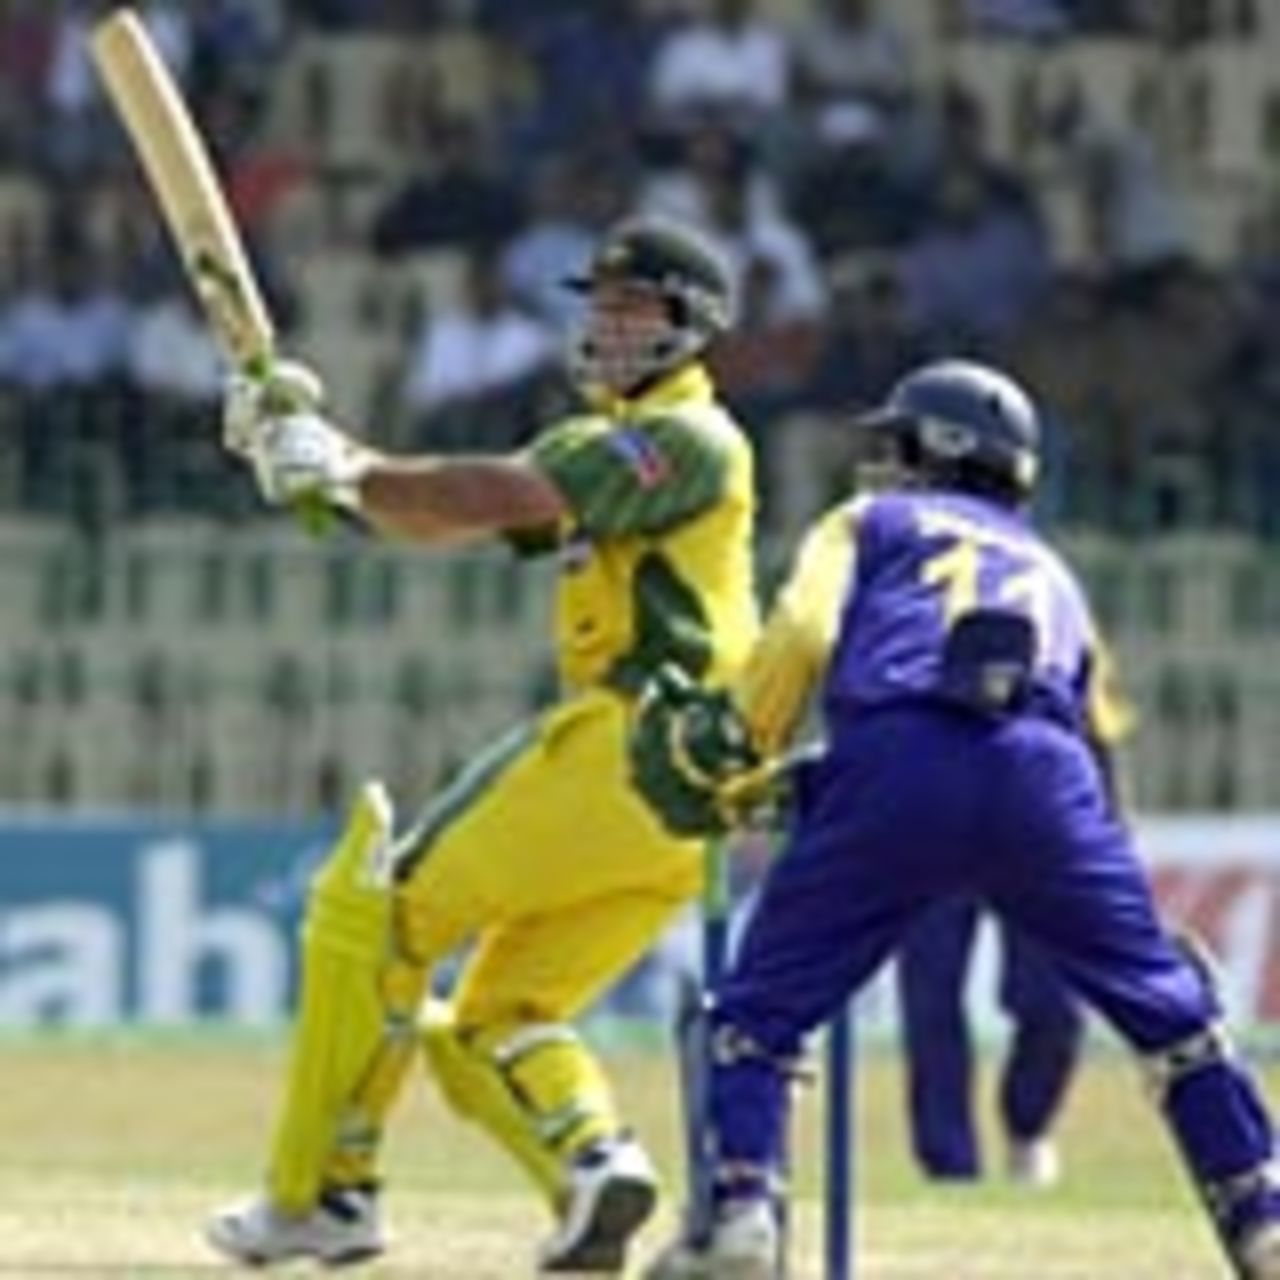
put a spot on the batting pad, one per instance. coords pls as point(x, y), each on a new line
point(475, 1088)
point(537, 1091)
point(352, 1037)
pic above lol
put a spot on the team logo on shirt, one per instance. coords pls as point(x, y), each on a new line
point(638, 450)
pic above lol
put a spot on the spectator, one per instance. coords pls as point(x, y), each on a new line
point(794, 289)
point(961, 141)
point(1136, 218)
point(331, 15)
point(233, 43)
point(486, 344)
point(171, 355)
point(708, 155)
point(1166, 348)
point(594, 58)
point(70, 333)
point(735, 202)
point(851, 195)
point(979, 268)
point(574, 199)
point(26, 47)
point(1027, 18)
point(869, 341)
point(260, 174)
point(169, 453)
point(1249, 391)
point(764, 364)
point(866, 344)
point(62, 342)
point(70, 94)
point(734, 63)
point(981, 261)
point(850, 52)
point(455, 200)
point(1059, 351)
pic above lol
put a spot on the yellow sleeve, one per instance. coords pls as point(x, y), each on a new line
point(1112, 717)
point(791, 654)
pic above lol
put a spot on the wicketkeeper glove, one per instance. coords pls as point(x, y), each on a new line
point(692, 758)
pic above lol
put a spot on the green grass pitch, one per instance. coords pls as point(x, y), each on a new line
point(112, 1151)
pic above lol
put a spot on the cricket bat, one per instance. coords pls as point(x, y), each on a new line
point(181, 174)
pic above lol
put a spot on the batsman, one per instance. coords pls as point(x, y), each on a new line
point(540, 855)
point(958, 669)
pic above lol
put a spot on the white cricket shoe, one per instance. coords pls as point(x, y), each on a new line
point(1259, 1252)
point(343, 1228)
point(744, 1246)
point(1034, 1163)
point(610, 1192)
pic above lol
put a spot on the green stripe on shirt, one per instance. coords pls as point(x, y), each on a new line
point(639, 477)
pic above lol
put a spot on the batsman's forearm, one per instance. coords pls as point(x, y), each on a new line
point(453, 499)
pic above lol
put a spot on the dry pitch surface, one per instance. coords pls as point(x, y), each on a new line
point(111, 1153)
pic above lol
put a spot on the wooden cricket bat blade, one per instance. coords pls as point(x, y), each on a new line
point(180, 172)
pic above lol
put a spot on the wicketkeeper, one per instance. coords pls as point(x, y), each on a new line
point(540, 854)
point(956, 661)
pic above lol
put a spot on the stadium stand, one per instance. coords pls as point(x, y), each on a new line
point(231, 663)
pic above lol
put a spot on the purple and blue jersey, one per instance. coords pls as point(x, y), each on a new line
point(923, 561)
point(878, 590)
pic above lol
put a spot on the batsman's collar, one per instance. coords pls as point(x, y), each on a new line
point(691, 382)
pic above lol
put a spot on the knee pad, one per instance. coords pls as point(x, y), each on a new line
point(1163, 1069)
point(730, 1045)
point(479, 1089)
point(559, 1082)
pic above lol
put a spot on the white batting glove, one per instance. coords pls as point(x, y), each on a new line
point(252, 401)
point(303, 457)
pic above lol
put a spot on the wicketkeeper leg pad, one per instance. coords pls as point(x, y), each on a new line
point(355, 1030)
point(749, 1109)
point(535, 1088)
point(1217, 1116)
point(1222, 1128)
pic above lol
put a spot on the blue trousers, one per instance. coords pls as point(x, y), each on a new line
point(1047, 1029)
point(913, 805)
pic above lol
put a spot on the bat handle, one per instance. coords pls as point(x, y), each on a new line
point(310, 510)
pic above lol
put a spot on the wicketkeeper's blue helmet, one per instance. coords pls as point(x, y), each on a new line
point(959, 424)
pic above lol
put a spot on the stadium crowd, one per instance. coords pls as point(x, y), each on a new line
point(853, 180)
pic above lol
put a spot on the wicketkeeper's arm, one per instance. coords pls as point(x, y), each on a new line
point(790, 656)
point(1111, 720)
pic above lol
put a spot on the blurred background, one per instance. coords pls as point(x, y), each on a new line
point(1084, 192)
